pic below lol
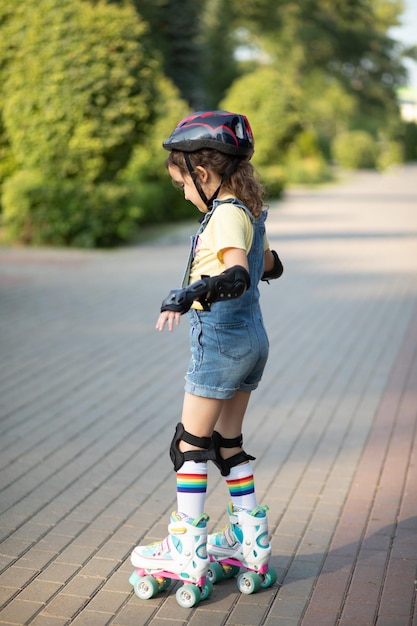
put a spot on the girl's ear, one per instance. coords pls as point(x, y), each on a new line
point(202, 173)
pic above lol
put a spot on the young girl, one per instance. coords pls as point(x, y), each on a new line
point(210, 161)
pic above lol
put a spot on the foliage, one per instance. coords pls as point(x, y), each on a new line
point(305, 163)
point(146, 173)
point(175, 31)
point(76, 108)
point(271, 104)
point(87, 96)
point(410, 141)
point(219, 68)
point(327, 108)
point(355, 149)
point(338, 53)
point(77, 101)
point(389, 153)
point(42, 211)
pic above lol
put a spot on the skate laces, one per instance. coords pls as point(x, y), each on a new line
point(232, 534)
point(199, 522)
point(225, 538)
point(157, 549)
point(162, 549)
point(259, 511)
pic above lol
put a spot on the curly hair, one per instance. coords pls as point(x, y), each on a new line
point(243, 183)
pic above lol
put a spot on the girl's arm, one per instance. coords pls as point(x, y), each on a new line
point(268, 260)
point(273, 267)
point(179, 301)
point(235, 256)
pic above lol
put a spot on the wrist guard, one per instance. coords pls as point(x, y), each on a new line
point(180, 300)
point(276, 271)
point(230, 284)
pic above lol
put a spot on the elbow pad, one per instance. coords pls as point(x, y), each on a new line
point(276, 271)
point(230, 284)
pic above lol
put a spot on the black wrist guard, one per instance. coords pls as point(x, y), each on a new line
point(180, 300)
point(276, 271)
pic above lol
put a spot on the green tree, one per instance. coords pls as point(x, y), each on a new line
point(175, 30)
point(348, 41)
point(220, 67)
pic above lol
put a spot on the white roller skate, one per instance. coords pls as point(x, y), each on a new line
point(243, 543)
point(182, 555)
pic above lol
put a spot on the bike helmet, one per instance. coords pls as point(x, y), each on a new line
point(226, 132)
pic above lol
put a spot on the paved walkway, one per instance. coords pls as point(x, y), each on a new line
point(90, 394)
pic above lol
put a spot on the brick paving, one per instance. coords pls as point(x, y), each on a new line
point(90, 394)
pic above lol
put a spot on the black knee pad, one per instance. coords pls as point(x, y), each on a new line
point(225, 465)
point(199, 456)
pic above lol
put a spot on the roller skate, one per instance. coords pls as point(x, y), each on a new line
point(243, 543)
point(182, 555)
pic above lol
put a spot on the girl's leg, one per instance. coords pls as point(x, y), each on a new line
point(199, 417)
point(245, 538)
point(183, 551)
point(240, 480)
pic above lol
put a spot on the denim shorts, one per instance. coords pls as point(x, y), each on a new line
point(226, 357)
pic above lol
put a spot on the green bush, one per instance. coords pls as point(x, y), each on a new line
point(355, 149)
point(146, 173)
point(79, 91)
point(390, 153)
point(270, 101)
point(85, 111)
point(305, 163)
point(39, 211)
point(410, 141)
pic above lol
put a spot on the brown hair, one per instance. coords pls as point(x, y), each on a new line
point(243, 183)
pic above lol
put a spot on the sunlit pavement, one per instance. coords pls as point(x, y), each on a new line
point(90, 394)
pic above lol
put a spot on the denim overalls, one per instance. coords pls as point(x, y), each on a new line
point(229, 344)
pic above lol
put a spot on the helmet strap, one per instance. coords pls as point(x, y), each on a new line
point(209, 201)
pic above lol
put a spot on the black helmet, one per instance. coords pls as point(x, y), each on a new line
point(226, 132)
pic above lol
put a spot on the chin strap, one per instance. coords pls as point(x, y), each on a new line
point(209, 201)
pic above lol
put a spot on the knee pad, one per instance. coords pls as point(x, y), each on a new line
point(199, 456)
point(225, 465)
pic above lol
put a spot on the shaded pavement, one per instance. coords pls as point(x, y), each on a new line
point(90, 394)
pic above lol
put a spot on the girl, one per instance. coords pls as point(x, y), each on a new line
point(210, 161)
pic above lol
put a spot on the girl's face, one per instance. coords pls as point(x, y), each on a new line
point(207, 180)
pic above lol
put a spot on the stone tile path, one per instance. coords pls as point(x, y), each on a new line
point(90, 394)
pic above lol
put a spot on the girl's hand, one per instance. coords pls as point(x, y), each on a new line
point(169, 318)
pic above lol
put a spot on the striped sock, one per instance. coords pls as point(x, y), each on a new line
point(191, 488)
point(242, 487)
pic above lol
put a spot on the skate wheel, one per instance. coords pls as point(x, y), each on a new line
point(188, 596)
point(206, 590)
point(229, 571)
point(269, 579)
point(249, 582)
point(215, 573)
point(133, 578)
point(146, 587)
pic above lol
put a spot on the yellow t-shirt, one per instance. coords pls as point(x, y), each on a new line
point(229, 227)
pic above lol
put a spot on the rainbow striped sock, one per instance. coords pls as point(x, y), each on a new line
point(192, 488)
point(241, 486)
point(191, 483)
